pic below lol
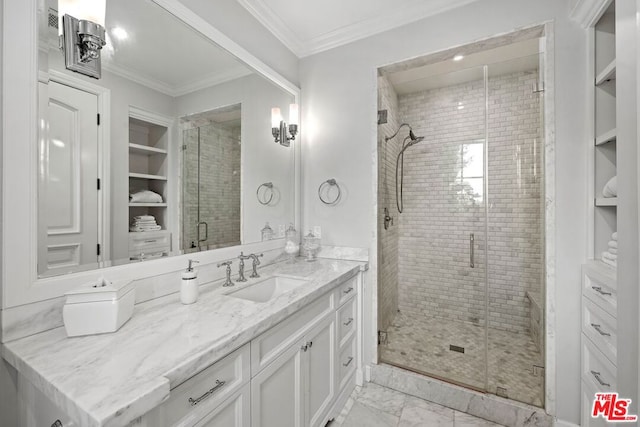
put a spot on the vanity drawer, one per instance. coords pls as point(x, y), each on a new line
point(269, 345)
point(149, 241)
point(206, 390)
point(600, 288)
point(346, 320)
point(597, 370)
point(346, 361)
point(601, 328)
point(347, 290)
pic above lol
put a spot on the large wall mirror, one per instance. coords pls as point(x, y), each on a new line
point(169, 152)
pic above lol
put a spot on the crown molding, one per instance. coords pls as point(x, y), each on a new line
point(174, 91)
point(415, 11)
point(587, 12)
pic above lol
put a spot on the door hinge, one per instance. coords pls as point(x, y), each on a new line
point(98, 183)
point(98, 249)
point(98, 119)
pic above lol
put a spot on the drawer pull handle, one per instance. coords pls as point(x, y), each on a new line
point(600, 331)
point(216, 387)
point(348, 362)
point(346, 291)
point(57, 423)
point(348, 322)
point(599, 290)
point(150, 241)
point(597, 377)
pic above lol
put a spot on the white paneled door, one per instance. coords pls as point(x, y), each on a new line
point(68, 180)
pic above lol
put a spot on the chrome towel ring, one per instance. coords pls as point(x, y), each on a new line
point(330, 183)
point(266, 195)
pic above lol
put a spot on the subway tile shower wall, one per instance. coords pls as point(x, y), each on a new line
point(387, 239)
point(219, 204)
point(441, 211)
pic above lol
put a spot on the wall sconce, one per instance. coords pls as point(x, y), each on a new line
point(279, 127)
point(83, 35)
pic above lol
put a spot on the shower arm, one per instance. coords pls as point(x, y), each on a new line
point(387, 138)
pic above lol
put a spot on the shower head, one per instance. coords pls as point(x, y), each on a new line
point(412, 135)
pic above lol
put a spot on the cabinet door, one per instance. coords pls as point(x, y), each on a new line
point(276, 392)
point(320, 373)
point(233, 412)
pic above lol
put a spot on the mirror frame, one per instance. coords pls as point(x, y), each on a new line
point(20, 283)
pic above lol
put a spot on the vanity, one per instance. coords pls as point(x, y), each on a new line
point(223, 361)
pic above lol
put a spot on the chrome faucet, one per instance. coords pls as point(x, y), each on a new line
point(228, 281)
point(256, 263)
point(241, 277)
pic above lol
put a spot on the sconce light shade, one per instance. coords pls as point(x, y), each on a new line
point(83, 35)
point(293, 114)
point(84, 10)
point(282, 134)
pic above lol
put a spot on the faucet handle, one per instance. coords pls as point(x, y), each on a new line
point(227, 263)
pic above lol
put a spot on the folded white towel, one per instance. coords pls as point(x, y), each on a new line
point(609, 255)
point(144, 217)
point(614, 236)
point(145, 196)
point(613, 244)
point(139, 229)
point(613, 251)
point(612, 263)
point(611, 188)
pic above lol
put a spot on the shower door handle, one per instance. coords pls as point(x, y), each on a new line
point(471, 250)
point(206, 231)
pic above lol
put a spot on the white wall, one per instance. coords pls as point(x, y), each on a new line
point(339, 125)
point(262, 159)
point(238, 24)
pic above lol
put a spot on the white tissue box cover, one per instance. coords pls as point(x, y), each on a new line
point(98, 307)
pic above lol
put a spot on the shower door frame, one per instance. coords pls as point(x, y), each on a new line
point(545, 32)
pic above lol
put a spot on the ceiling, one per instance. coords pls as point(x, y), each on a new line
point(518, 56)
point(308, 27)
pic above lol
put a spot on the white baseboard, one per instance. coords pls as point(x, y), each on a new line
point(367, 373)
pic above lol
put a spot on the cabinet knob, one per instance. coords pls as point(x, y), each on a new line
point(304, 347)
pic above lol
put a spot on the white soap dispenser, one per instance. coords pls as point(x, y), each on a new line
point(189, 287)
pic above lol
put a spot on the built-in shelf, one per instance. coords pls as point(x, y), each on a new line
point(145, 149)
point(147, 205)
point(606, 201)
point(606, 137)
point(147, 176)
point(609, 73)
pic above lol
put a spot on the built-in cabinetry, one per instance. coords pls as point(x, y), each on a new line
point(604, 128)
point(291, 375)
point(149, 148)
point(599, 338)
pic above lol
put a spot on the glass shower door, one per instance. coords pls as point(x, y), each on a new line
point(440, 325)
point(516, 230)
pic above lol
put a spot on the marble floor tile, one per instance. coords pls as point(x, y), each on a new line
point(382, 398)
point(420, 413)
point(367, 407)
point(460, 419)
point(365, 416)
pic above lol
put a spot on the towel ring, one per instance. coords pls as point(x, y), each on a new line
point(331, 183)
point(267, 191)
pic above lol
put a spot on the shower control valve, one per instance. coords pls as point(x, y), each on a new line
point(387, 219)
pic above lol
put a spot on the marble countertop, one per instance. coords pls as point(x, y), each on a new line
point(111, 379)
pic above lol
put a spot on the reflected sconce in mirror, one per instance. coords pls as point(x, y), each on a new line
point(279, 127)
point(83, 35)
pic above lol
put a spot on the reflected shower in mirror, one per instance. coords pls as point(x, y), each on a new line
point(145, 162)
point(211, 147)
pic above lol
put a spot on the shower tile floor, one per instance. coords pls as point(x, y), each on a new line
point(422, 345)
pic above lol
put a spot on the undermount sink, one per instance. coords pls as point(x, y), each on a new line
point(268, 289)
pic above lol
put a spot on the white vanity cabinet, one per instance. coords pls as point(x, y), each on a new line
point(37, 410)
point(300, 383)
